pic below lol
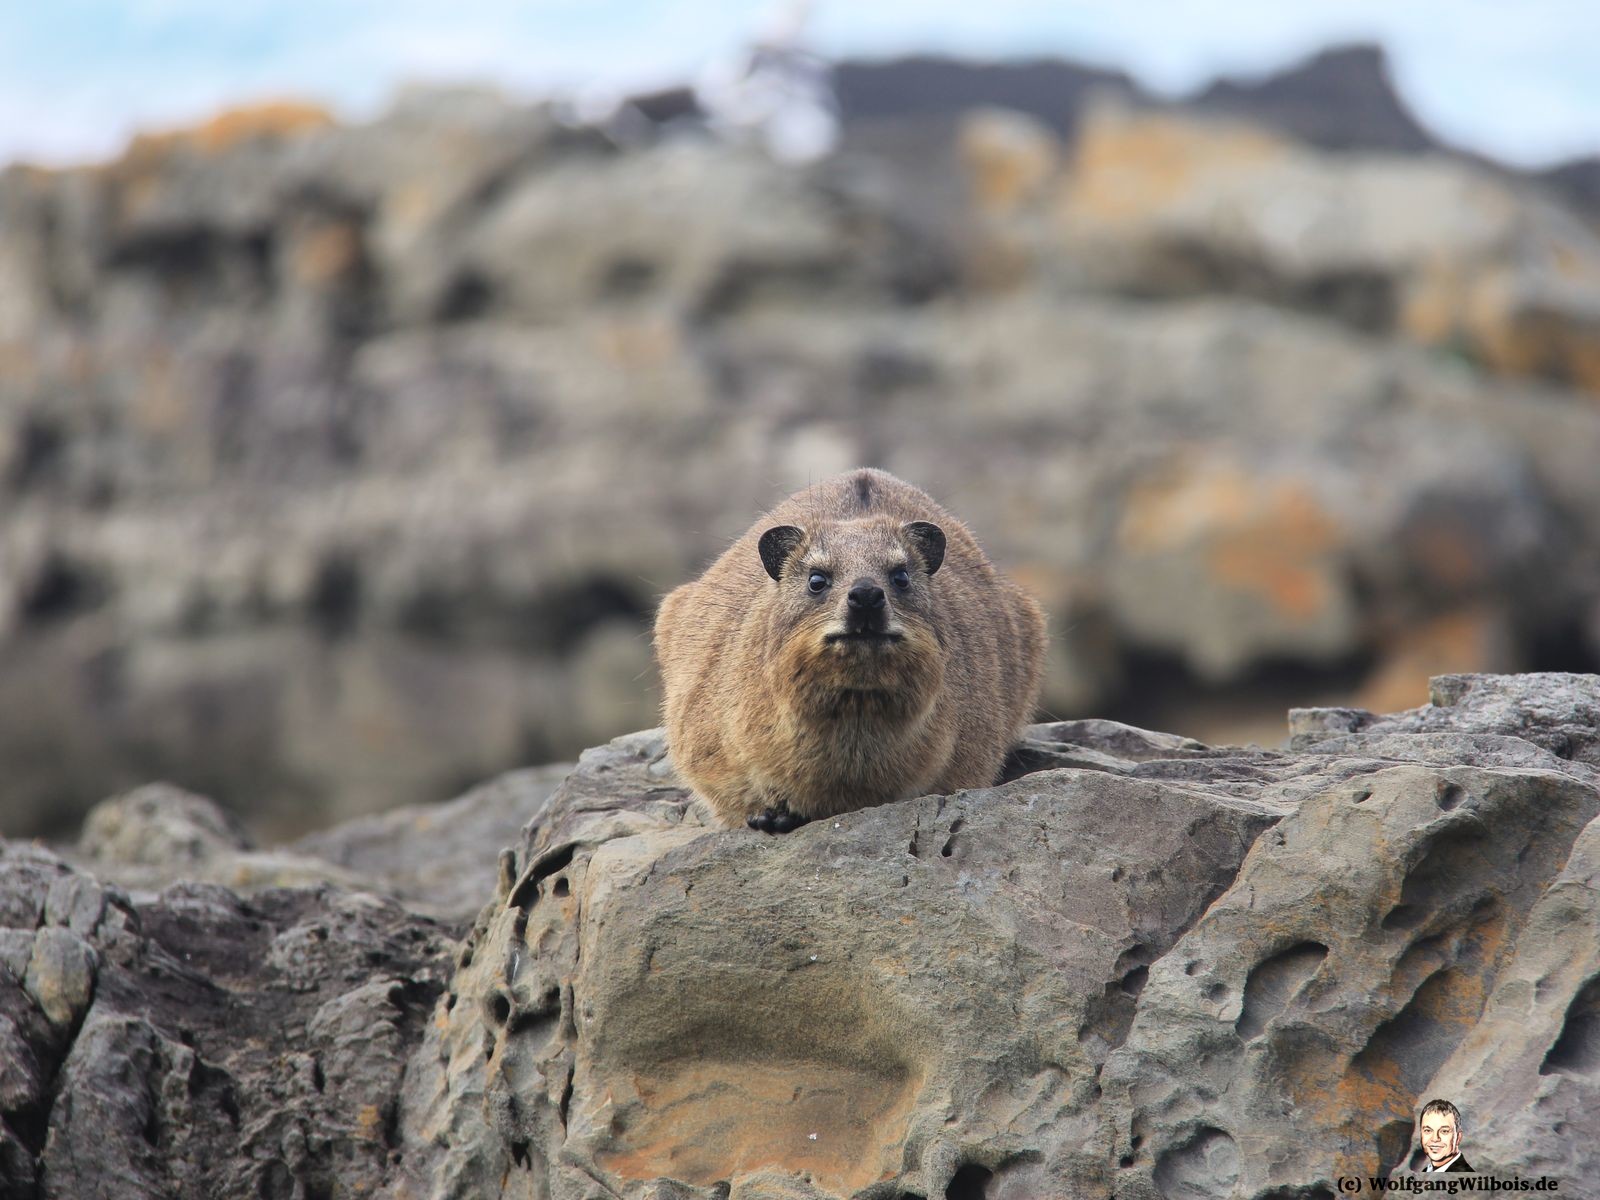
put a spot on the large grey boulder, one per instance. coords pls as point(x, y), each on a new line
point(197, 1044)
point(1164, 971)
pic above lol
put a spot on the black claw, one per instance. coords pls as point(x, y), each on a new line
point(777, 819)
point(785, 820)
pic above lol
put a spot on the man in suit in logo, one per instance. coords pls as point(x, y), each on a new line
point(1439, 1128)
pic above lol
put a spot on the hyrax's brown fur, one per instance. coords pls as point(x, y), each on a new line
point(786, 702)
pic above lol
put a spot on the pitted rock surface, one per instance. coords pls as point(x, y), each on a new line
point(1152, 969)
point(1140, 967)
point(195, 1044)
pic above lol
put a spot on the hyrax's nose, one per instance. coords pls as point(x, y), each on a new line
point(865, 596)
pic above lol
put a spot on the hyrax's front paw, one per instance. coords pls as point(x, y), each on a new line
point(776, 819)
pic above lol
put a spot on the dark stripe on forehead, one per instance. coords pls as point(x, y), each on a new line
point(864, 491)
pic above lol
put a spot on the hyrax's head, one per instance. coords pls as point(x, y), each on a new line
point(854, 603)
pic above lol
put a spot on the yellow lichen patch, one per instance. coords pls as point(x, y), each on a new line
point(1008, 159)
point(701, 1122)
point(1537, 341)
point(642, 344)
point(1130, 166)
point(1481, 309)
point(1432, 309)
point(325, 254)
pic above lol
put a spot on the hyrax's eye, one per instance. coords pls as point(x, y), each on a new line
point(900, 577)
point(818, 581)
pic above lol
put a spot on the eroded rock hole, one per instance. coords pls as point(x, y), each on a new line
point(950, 842)
point(1577, 1050)
point(1393, 1139)
point(526, 893)
point(275, 1182)
point(334, 601)
point(970, 1182)
point(63, 588)
point(1273, 984)
point(498, 1009)
point(1206, 1165)
point(1451, 864)
point(561, 887)
point(628, 276)
point(566, 1098)
point(38, 453)
point(1133, 982)
point(1450, 795)
point(1414, 1043)
point(1404, 916)
point(468, 295)
point(1109, 1017)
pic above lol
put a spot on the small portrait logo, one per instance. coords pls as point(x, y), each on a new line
point(1439, 1131)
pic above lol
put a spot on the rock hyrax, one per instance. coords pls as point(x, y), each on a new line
point(854, 647)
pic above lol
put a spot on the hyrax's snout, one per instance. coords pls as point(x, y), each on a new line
point(865, 609)
point(865, 597)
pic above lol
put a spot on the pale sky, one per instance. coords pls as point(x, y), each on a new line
point(77, 77)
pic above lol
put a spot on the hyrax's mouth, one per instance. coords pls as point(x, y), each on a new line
point(863, 636)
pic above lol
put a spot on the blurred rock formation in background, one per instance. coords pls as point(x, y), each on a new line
point(341, 467)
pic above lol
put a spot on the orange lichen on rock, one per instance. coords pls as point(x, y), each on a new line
point(269, 119)
point(1129, 166)
point(709, 1121)
point(1268, 537)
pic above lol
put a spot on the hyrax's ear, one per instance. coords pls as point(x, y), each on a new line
point(777, 544)
point(928, 539)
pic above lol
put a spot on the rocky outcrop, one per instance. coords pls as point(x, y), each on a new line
point(429, 857)
point(196, 1044)
point(1342, 98)
point(1140, 967)
point(342, 467)
point(1155, 970)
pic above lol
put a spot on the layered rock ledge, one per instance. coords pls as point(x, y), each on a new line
point(1140, 967)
